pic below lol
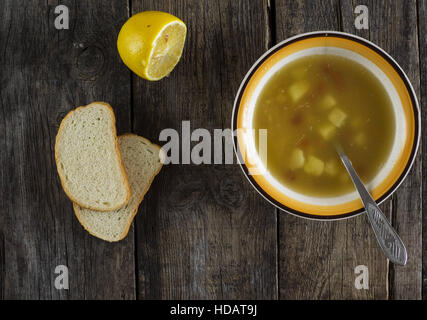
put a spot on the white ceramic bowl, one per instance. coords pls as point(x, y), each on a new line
point(404, 104)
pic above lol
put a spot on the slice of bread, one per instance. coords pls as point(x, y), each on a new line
point(143, 161)
point(88, 160)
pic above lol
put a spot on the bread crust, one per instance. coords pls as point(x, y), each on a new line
point(119, 156)
point(141, 197)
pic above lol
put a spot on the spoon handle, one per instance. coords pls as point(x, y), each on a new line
point(387, 237)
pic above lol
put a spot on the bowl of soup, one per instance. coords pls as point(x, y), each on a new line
point(309, 92)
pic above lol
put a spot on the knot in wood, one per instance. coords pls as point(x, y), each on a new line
point(90, 61)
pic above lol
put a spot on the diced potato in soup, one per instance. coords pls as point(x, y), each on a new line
point(297, 159)
point(312, 102)
point(314, 166)
point(337, 117)
point(298, 90)
point(327, 131)
point(327, 102)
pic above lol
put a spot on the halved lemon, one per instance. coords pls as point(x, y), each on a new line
point(150, 43)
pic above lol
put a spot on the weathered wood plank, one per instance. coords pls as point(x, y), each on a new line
point(202, 232)
point(400, 40)
point(45, 73)
point(317, 259)
point(422, 39)
point(407, 201)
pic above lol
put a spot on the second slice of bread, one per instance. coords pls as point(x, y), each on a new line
point(88, 159)
point(142, 161)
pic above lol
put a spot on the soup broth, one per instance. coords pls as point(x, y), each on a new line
point(311, 102)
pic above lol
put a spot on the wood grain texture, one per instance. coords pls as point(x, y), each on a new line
point(407, 201)
point(45, 73)
point(317, 259)
point(400, 40)
point(202, 231)
point(422, 44)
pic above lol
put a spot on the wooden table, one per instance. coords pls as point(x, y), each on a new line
point(202, 231)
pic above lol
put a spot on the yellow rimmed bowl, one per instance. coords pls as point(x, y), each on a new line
point(404, 103)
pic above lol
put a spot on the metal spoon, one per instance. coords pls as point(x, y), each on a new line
point(387, 237)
